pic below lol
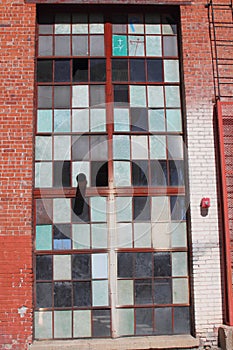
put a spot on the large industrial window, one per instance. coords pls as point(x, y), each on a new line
point(111, 261)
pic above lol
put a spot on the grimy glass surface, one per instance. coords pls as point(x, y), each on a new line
point(112, 256)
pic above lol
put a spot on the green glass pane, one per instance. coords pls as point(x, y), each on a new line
point(124, 235)
point(171, 71)
point(155, 96)
point(136, 45)
point(142, 235)
point(178, 234)
point(153, 46)
point(139, 147)
point(99, 266)
point(43, 175)
point(180, 290)
point(81, 236)
point(158, 147)
point(100, 293)
point(119, 45)
point(61, 147)
point(172, 94)
point(97, 120)
point(43, 237)
point(61, 120)
point(179, 264)
point(121, 119)
point(80, 120)
point(62, 324)
point(62, 267)
point(98, 209)
point(121, 174)
point(156, 120)
point(160, 209)
point(43, 148)
point(174, 122)
point(137, 96)
point(121, 147)
point(126, 322)
point(80, 96)
point(161, 235)
point(124, 208)
point(82, 323)
point(44, 120)
point(125, 292)
point(61, 210)
point(99, 236)
point(80, 167)
point(43, 324)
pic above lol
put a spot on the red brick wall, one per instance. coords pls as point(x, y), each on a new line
point(17, 42)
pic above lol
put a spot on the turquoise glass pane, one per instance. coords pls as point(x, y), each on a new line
point(99, 236)
point(61, 120)
point(62, 267)
point(43, 324)
point(174, 122)
point(100, 293)
point(43, 237)
point(138, 96)
point(121, 147)
point(136, 45)
point(121, 173)
point(61, 210)
point(171, 71)
point(99, 266)
point(81, 236)
point(180, 290)
point(80, 96)
point(156, 120)
point(155, 96)
point(178, 234)
point(142, 235)
point(139, 147)
point(158, 147)
point(179, 264)
point(124, 235)
point(125, 292)
point(124, 208)
point(62, 148)
point(80, 167)
point(153, 46)
point(172, 94)
point(82, 323)
point(43, 148)
point(121, 119)
point(98, 209)
point(43, 175)
point(44, 120)
point(126, 321)
point(97, 120)
point(119, 45)
point(62, 324)
point(160, 209)
point(161, 235)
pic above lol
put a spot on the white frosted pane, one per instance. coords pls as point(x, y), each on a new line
point(138, 96)
point(174, 122)
point(122, 174)
point(156, 120)
point(121, 147)
point(97, 120)
point(124, 235)
point(61, 120)
point(153, 46)
point(80, 120)
point(61, 210)
point(161, 235)
point(82, 323)
point(153, 29)
point(80, 96)
point(80, 167)
point(78, 28)
point(100, 293)
point(158, 147)
point(172, 94)
point(125, 321)
point(96, 23)
point(155, 96)
point(43, 324)
point(124, 208)
point(142, 235)
point(178, 234)
point(135, 25)
point(96, 28)
point(62, 324)
point(99, 234)
point(171, 71)
point(121, 119)
point(98, 209)
point(62, 267)
point(81, 236)
point(180, 291)
point(125, 292)
point(179, 264)
point(43, 175)
point(136, 45)
point(139, 147)
point(43, 148)
point(61, 147)
point(160, 209)
point(99, 266)
point(169, 28)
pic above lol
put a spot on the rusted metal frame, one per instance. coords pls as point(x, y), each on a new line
point(226, 234)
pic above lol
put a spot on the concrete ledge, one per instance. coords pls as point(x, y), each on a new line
point(225, 337)
point(132, 343)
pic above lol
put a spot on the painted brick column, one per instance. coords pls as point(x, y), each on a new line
point(17, 38)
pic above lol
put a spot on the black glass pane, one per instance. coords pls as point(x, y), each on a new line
point(80, 147)
point(61, 96)
point(44, 267)
point(143, 265)
point(62, 70)
point(61, 174)
point(121, 95)
point(162, 264)
point(141, 206)
point(154, 70)
point(144, 321)
point(162, 291)
point(176, 168)
point(62, 294)
point(125, 264)
point(97, 69)
point(80, 69)
point(137, 70)
point(82, 293)
point(119, 70)
point(101, 323)
point(45, 71)
point(158, 172)
point(43, 295)
point(84, 216)
point(181, 320)
point(139, 119)
point(99, 174)
point(81, 266)
point(143, 292)
point(44, 211)
point(178, 209)
point(163, 321)
point(140, 173)
point(62, 237)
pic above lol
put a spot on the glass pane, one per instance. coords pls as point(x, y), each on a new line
point(82, 323)
point(80, 70)
point(82, 294)
point(80, 120)
point(61, 210)
point(61, 174)
point(62, 71)
point(121, 95)
point(44, 97)
point(45, 28)
point(101, 323)
point(163, 321)
point(153, 46)
point(180, 291)
point(81, 236)
point(135, 25)
point(119, 45)
point(169, 28)
point(124, 235)
point(176, 172)
point(143, 292)
point(43, 148)
point(142, 235)
point(119, 70)
point(125, 265)
point(80, 147)
point(84, 216)
point(161, 235)
point(181, 320)
point(121, 119)
point(45, 71)
point(172, 94)
point(97, 120)
point(97, 70)
point(160, 209)
point(178, 234)
point(43, 295)
point(80, 23)
point(138, 96)
point(171, 71)
point(43, 175)
point(124, 208)
point(175, 147)
point(99, 174)
point(43, 237)
point(136, 45)
point(62, 28)
point(97, 45)
point(44, 267)
point(162, 291)
point(155, 96)
point(179, 264)
point(140, 174)
point(125, 292)
point(122, 173)
point(81, 266)
point(141, 207)
point(43, 324)
point(98, 209)
point(126, 321)
point(139, 119)
point(153, 28)
point(80, 96)
point(144, 321)
point(158, 147)
point(97, 95)
point(96, 23)
point(44, 211)
point(62, 294)
point(44, 120)
point(99, 147)
point(119, 27)
point(139, 147)
point(62, 45)
point(162, 264)
point(100, 293)
point(62, 324)
point(61, 96)
point(62, 147)
point(178, 208)
point(99, 266)
point(158, 172)
point(121, 147)
point(62, 237)
point(174, 122)
point(99, 236)
point(155, 70)
point(61, 120)
point(80, 45)
point(45, 47)
point(170, 46)
point(62, 267)
point(143, 265)
point(156, 120)
point(137, 70)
